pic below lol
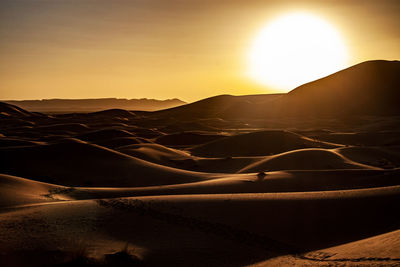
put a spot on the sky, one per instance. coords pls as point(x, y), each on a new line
point(163, 48)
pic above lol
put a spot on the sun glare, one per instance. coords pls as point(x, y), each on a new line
point(295, 49)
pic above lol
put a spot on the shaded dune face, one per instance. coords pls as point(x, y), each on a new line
point(7, 110)
point(104, 134)
point(263, 179)
point(77, 163)
point(370, 138)
point(257, 144)
point(188, 138)
point(308, 159)
point(368, 88)
point(11, 142)
point(19, 191)
point(298, 220)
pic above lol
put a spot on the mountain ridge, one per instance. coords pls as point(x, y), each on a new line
point(59, 105)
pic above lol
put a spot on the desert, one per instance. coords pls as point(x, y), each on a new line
point(209, 133)
point(180, 186)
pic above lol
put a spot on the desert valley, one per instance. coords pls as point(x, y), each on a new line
point(307, 178)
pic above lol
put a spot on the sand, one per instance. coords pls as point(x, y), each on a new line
point(225, 181)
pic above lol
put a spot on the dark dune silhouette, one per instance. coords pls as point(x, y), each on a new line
point(368, 88)
point(12, 110)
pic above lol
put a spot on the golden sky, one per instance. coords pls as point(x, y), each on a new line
point(189, 49)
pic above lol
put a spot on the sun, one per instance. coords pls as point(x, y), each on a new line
point(294, 49)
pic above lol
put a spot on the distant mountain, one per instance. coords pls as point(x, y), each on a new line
point(368, 88)
point(92, 105)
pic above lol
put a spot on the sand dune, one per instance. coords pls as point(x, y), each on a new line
point(289, 181)
point(188, 138)
point(146, 133)
point(294, 222)
point(78, 163)
point(154, 152)
point(372, 138)
point(10, 142)
point(176, 158)
point(368, 88)
point(16, 191)
point(382, 157)
point(304, 159)
point(373, 248)
point(118, 113)
point(257, 144)
point(17, 123)
point(60, 237)
point(305, 232)
point(223, 210)
point(379, 250)
point(225, 165)
point(114, 143)
point(104, 134)
point(178, 126)
point(63, 127)
point(11, 110)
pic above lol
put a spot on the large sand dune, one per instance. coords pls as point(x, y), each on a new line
point(76, 163)
point(7, 110)
point(263, 225)
point(15, 191)
point(368, 88)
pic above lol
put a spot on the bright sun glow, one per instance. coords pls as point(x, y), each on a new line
point(295, 49)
